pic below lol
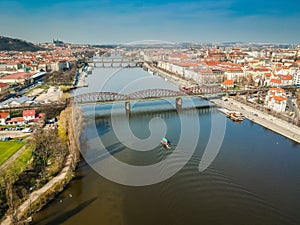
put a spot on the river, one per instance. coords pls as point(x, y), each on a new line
point(252, 178)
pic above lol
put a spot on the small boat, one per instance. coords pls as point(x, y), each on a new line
point(165, 142)
point(235, 116)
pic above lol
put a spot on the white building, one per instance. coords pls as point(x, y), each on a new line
point(3, 117)
point(276, 99)
point(234, 74)
point(28, 115)
point(296, 79)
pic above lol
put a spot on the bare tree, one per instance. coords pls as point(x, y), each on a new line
point(11, 200)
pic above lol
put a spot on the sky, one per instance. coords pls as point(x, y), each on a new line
point(119, 22)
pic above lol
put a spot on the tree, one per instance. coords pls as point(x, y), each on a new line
point(48, 147)
point(11, 198)
point(69, 127)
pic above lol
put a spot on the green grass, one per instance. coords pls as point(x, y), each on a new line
point(21, 162)
point(7, 149)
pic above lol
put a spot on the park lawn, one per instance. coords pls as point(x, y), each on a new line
point(8, 148)
point(18, 165)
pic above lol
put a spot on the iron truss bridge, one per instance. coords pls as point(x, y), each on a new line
point(118, 97)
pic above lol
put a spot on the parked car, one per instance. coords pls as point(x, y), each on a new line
point(27, 130)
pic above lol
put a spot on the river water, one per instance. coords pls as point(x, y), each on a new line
point(252, 178)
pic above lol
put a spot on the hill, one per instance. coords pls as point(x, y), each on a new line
point(12, 44)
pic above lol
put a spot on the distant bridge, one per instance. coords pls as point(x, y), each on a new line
point(115, 62)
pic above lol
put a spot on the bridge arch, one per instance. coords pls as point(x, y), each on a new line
point(155, 93)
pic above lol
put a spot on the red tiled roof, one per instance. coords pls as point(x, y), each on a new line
point(212, 63)
point(228, 82)
point(206, 71)
point(16, 119)
point(279, 99)
point(4, 115)
point(18, 75)
point(287, 77)
point(3, 85)
point(28, 113)
point(277, 81)
point(277, 89)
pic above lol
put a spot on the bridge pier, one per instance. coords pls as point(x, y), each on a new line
point(178, 103)
point(127, 107)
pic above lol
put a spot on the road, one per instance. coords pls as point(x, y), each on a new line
point(293, 107)
point(12, 134)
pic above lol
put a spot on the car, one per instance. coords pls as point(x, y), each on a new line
point(255, 114)
point(27, 130)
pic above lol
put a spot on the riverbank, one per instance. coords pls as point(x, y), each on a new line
point(171, 77)
point(42, 196)
point(37, 199)
point(80, 79)
point(275, 124)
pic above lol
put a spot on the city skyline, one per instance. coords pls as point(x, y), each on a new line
point(114, 22)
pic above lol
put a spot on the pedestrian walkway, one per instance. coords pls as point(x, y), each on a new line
point(273, 123)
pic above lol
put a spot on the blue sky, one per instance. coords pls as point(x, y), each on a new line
point(107, 21)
